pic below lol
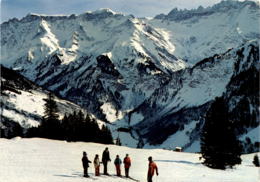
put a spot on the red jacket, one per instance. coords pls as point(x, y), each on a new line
point(127, 162)
point(152, 166)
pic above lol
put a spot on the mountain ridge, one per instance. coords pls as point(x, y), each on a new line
point(183, 14)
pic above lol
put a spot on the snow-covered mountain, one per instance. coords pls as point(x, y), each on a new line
point(179, 107)
point(154, 79)
point(23, 102)
point(203, 32)
point(122, 58)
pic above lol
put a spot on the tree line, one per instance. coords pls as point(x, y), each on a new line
point(73, 127)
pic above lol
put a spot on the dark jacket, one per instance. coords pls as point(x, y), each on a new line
point(117, 161)
point(106, 156)
point(85, 162)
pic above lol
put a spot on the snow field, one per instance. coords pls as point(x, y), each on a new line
point(42, 160)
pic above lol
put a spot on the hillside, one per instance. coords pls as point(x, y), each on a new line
point(22, 102)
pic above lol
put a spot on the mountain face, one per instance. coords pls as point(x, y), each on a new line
point(153, 79)
point(180, 112)
point(76, 56)
point(22, 103)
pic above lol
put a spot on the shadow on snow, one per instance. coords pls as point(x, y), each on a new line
point(181, 161)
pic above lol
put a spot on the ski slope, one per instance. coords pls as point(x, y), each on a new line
point(42, 160)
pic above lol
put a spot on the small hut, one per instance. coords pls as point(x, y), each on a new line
point(178, 149)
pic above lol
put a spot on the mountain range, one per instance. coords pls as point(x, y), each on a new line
point(151, 80)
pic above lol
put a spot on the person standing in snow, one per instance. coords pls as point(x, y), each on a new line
point(85, 162)
point(105, 160)
point(127, 163)
point(97, 165)
point(151, 168)
point(118, 163)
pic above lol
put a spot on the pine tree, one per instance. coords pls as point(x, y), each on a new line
point(80, 127)
point(106, 136)
point(219, 145)
point(94, 130)
point(51, 126)
point(50, 108)
point(256, 161)
point(33, 132)
point(65, 128)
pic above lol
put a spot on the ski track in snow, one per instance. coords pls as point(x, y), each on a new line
point(42, 160)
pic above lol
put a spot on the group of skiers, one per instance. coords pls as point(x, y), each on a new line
point(127, 164)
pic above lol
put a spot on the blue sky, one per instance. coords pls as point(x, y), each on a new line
point(139, 8)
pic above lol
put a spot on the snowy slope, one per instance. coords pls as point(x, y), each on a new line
point(28, 107)
point(23, 102)
point(41, 160)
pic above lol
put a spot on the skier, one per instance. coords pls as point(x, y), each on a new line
point(118, 163)
point(105, 160)
point(85, 162)
point(151, 167)
point(97, 165)
point(127, 163)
